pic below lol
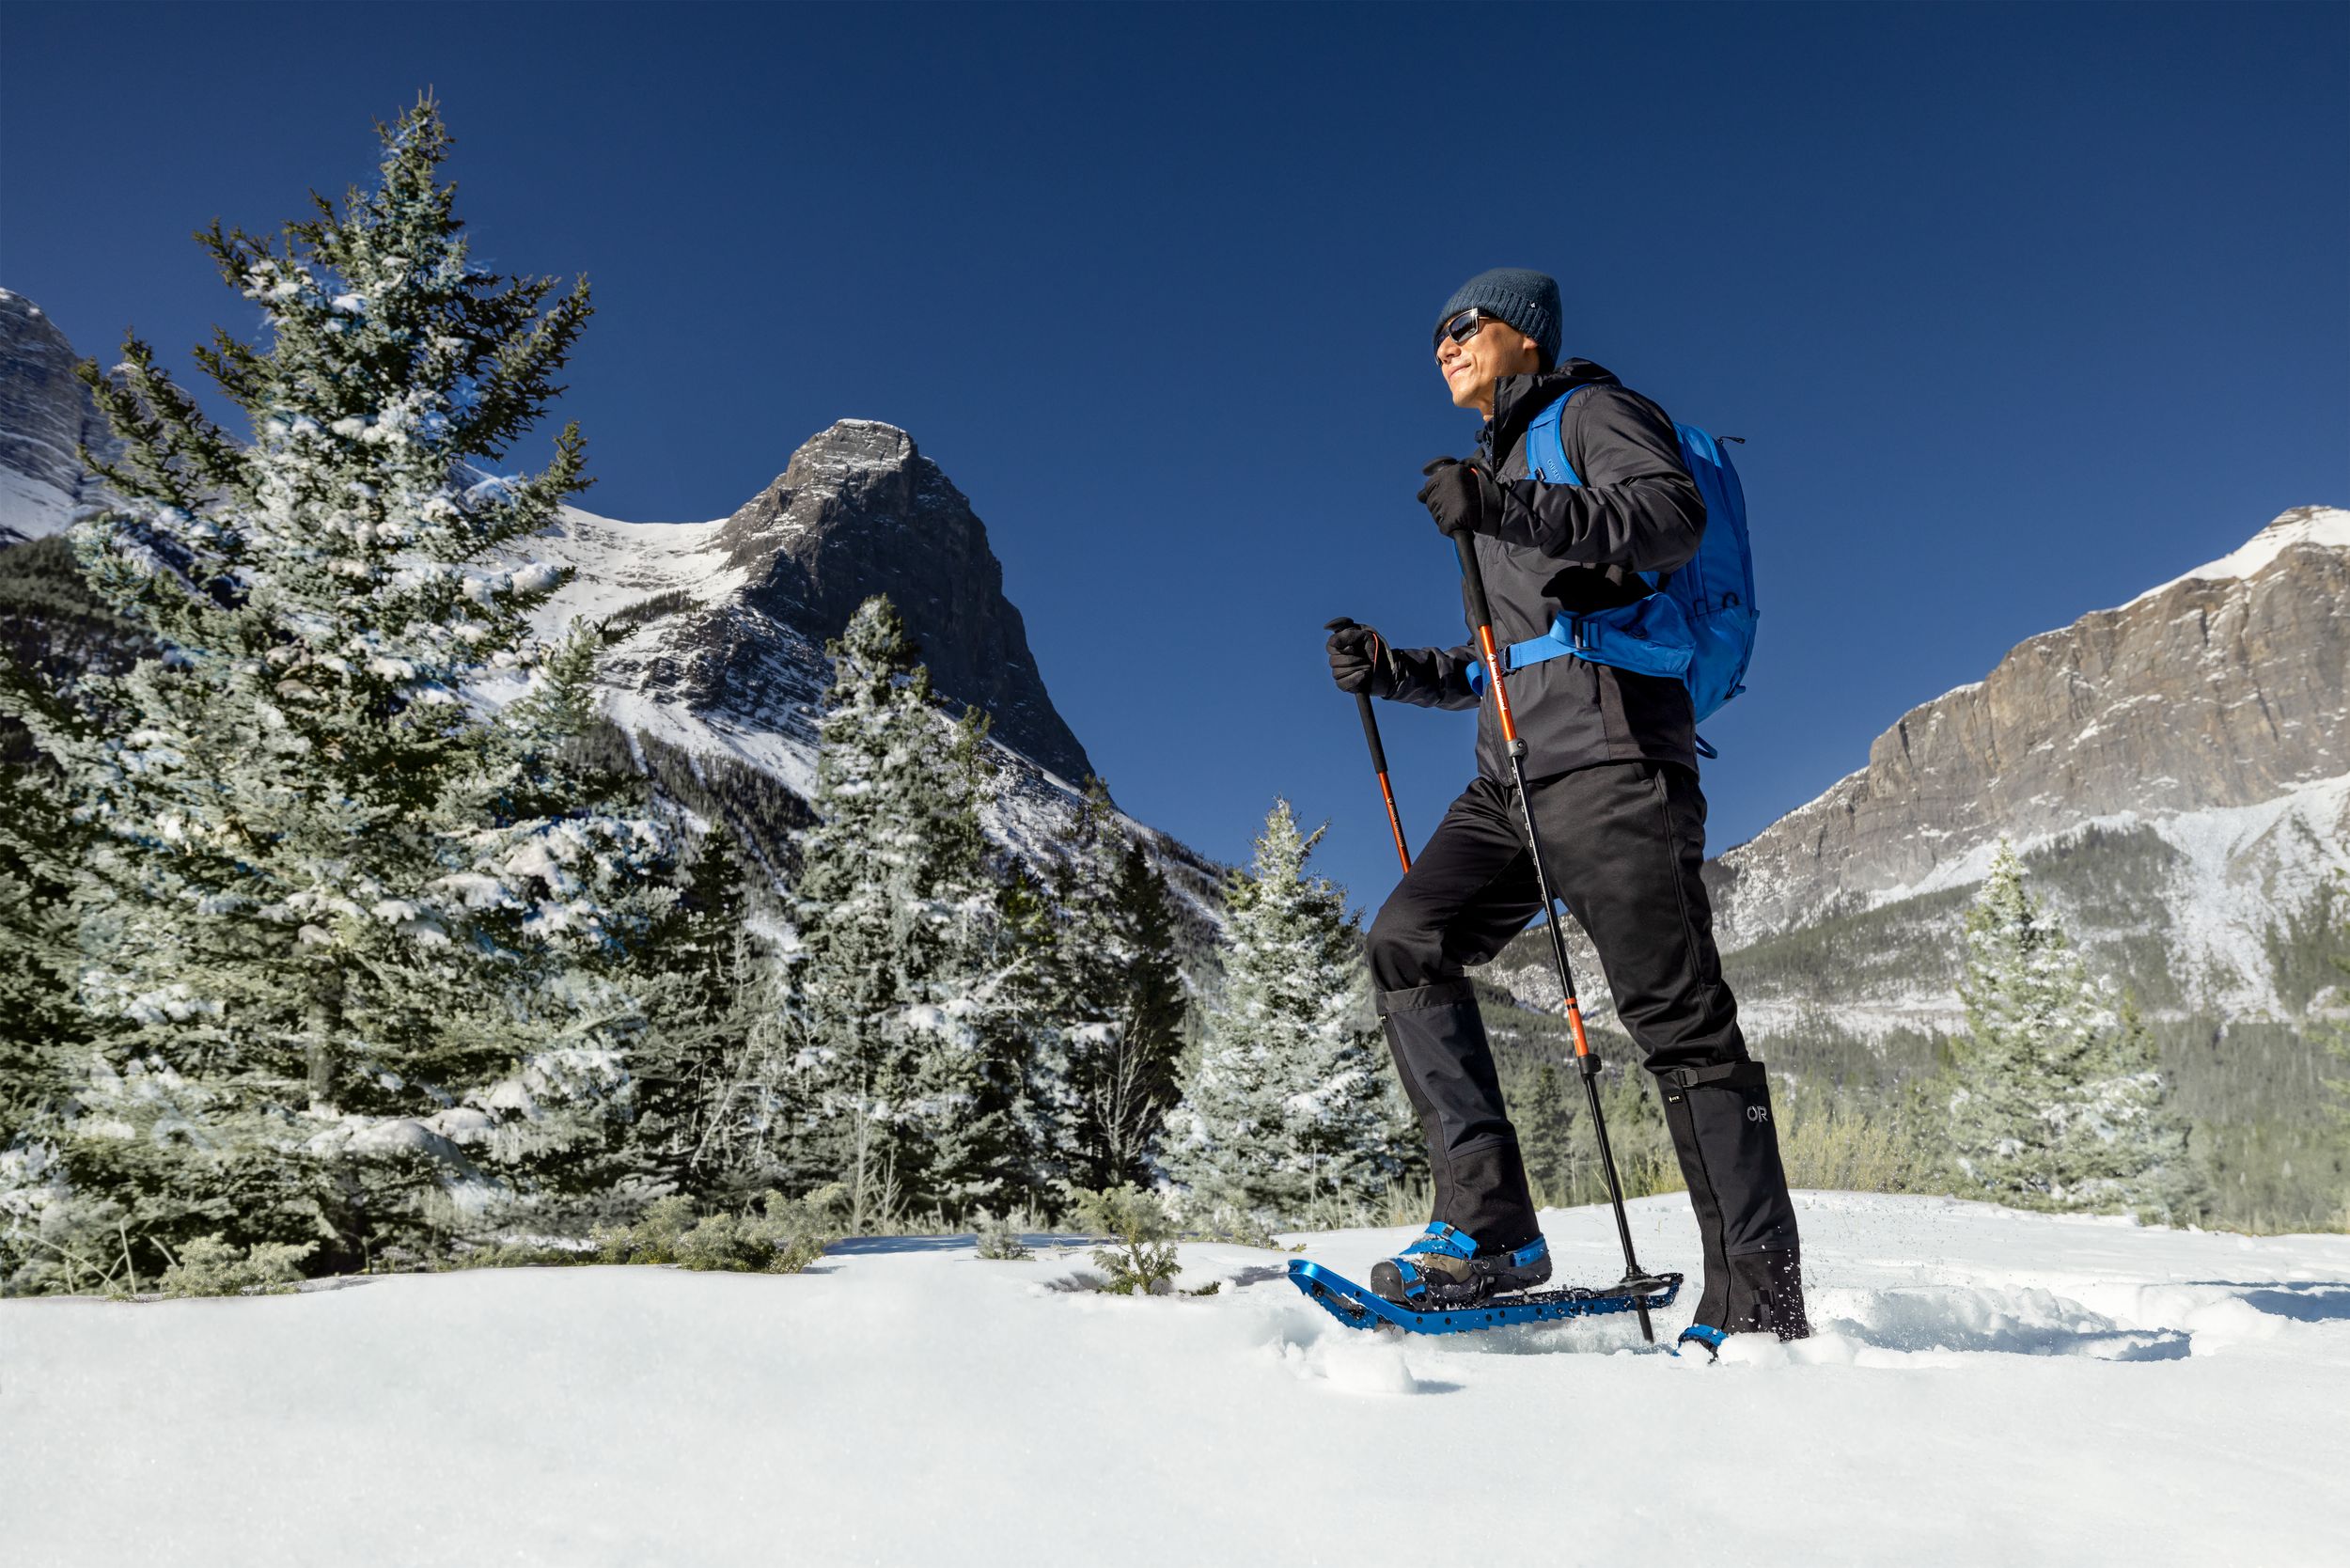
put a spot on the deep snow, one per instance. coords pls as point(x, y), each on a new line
point(1988, 1387)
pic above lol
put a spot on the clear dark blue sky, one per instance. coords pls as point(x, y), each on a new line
point(2022, 309)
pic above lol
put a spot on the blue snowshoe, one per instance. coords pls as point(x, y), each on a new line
point(1445, 1268)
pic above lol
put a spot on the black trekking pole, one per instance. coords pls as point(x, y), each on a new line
point(1637, 1282)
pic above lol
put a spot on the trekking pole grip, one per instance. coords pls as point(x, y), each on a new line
point(1474, 575)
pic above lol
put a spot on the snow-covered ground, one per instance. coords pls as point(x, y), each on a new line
point(1988, 1387)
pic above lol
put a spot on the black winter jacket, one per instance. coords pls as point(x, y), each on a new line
point(1572, 548)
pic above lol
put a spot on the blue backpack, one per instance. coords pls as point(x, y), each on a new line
point(1699, 624)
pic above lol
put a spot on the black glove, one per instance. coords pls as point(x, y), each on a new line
point(1461, 496)
point(1358, 658)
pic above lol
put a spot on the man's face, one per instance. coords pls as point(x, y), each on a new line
point(1471, 368)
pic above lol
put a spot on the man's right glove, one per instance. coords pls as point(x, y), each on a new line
point(1361, 660)
point(1461, 496)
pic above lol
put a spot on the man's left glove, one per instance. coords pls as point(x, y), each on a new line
point(1461, 496)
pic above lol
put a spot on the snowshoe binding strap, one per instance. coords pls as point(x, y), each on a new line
point(1442, 1238)
point(1708, 1338)
point(1450, 1272)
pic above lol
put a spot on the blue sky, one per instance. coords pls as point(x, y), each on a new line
point(2022, 309)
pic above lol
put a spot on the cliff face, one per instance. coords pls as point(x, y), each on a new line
point(46, 416)
point(2224, 689)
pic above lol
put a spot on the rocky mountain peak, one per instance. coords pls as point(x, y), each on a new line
point(859, 510)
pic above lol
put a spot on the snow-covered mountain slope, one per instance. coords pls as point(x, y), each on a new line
point(2323, 527)
point(1987, 1386)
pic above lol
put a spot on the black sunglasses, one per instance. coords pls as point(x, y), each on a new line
point(1467, 325)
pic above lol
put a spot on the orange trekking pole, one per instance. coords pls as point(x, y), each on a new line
point(1379, 762)
point(1637, 1282)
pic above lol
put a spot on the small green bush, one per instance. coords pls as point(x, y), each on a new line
point(999, 1239)
point(1235, 1229)
point(1142, 1262)
point(210, 1266)
point(786, 1236)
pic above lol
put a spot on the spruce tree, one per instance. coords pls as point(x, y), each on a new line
point(705, 1087)
point(906, 974)
point(1285, 1114)
point(2061, 1103)
point(348, 930)
point(1121, 989)
point(1031, 1036)
point(1545, 1119)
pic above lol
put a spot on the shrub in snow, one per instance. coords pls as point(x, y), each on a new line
point(1894, 1144)
point(784, 1236)
point(2061, 1103)
point(209, 1266)
point(1000, 1240)
point(341, 909)
point(1289, 1107)
point(1140, 1260)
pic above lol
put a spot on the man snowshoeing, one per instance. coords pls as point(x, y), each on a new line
point(1610, 763)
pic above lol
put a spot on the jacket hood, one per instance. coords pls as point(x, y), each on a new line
point(1518, 399)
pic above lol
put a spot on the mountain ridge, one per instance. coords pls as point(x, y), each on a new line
point(2223, 688)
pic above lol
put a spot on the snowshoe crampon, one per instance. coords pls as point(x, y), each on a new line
point(1359, 1306)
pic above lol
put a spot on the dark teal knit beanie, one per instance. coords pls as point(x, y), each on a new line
point(1525, 299)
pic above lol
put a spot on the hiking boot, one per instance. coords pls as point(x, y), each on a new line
point(1445, 1269)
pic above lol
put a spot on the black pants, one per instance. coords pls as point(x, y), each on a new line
point(1623, 842)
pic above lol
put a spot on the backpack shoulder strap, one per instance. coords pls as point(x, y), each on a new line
point(1546, 441)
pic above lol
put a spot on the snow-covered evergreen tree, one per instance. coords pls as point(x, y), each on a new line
point(1030, 1033)
point(708, 1089)
point(1120, 991)
point(349, 925)
point(1285, 1112)
point(905, 976)
point(2061, 1102)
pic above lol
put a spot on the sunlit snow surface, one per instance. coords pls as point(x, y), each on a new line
point(1988, 1387)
